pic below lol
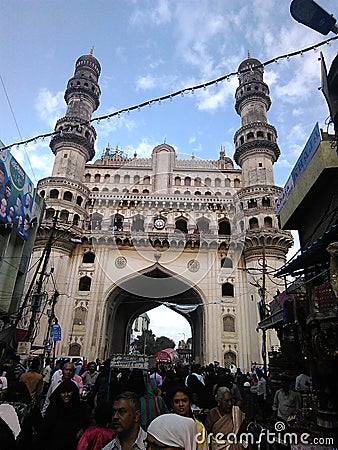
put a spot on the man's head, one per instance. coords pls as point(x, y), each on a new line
point(126, 413)
point(8, 189)
point(91, 366)
point(68, 370)
point(285, 383)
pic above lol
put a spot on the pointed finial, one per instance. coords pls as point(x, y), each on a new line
point(135, 154)
point(193, 155)
point(91, 51)
point(249, 56)
point(117, 148)
point(165, 140)
point(107, 150)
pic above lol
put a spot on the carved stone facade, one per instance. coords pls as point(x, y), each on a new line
point(134, 233)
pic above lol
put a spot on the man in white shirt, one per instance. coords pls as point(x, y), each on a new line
point(126, 424)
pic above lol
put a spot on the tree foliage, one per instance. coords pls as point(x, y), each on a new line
point(148, 344)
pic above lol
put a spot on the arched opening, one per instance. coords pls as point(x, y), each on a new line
point(96, 221)
point(229, 359)
point(54, 193)
point(74, 349)
point(181, 225)
point(85, 283)
point(88, 258)
point(197, 182)
point(267, 222)
point(227, 290)
point(116, 178)
point(79, 200)
point(64, 214)
point(146, 179)
point(68, 196)
point(137, 224)
point(266, 201)
point(141, 293)
point(252, 203)
point(97, 178)
point(76, 219)
point(80, 316)
point(226, 263)
point(203, 225)
point(253, 223)
point(224, 227)
point(228, 324)
point(117, 222)
point(187, 181)
point(177, 181)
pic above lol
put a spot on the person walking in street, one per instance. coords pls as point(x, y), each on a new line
point(285, 401)
point(171, 431)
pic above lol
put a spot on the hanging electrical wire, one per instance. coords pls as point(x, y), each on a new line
point(178, 93)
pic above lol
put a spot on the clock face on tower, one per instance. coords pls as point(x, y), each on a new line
point(159, 224)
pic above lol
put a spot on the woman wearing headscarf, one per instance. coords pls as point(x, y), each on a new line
point(152, 404)
point(181, 404)
point(224, 419)
point(65, 419)
point(173, 432)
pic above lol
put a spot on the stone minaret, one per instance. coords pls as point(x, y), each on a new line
point(256, 150)
point(73, 145)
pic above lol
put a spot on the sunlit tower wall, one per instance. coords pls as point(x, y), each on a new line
point(256, 150)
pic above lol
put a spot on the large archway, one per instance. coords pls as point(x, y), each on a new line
point(124, 305)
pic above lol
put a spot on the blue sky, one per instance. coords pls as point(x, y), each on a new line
point(150, 48)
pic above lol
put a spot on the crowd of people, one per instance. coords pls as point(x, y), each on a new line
point(96, 407)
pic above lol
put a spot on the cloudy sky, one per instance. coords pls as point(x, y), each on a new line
point(150, 48)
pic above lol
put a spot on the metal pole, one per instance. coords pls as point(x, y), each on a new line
point(264, 309)
point(35, 306)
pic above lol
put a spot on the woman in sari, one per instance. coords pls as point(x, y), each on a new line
point(223, 422)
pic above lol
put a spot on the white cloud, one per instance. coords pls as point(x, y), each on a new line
point(145, 82)
point(165, 322)
point(50, 107)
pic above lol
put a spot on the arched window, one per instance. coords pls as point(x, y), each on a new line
point(138, 224)
point(267, 222)
point(266, 201)
point(80, 316)
point(116, 178)
point(224, 227)
point(135, 191)
point(177, 181)
point(85, 283)
point(207, 182)
point(177, 193)
point(74, 349)
point(64, 214)
point(260, 134)
point(269, 137)
point(227, 182)
point(117, 222)
point(187, 192)
point(226, 263)
point(241, 140)
point(76, 219)
point(197, 193)
point(217, 182)
point(146, 179)
point(50, 213)
point(250, 136)
point(203, 225)
point(68, 196)
point(79, 200)
point(127, 179)
point(218, 194)
point(187, 181)
point(252, 203)
point(96, 221)
point(97, 178)
point(197, 182)
point(105, 189)
point(115, 190)
point(181, 225)
point(145, 191)
point(229, 324)
point(42, 194)
point(229, 359)
point(95, 189)
point(136, 179)
point(88, 258)
point(87, 177)
point(54, 193)
point(253, 223)
point(208, 193)
point(106, 177)
point(227, 290)
point(237, 182)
